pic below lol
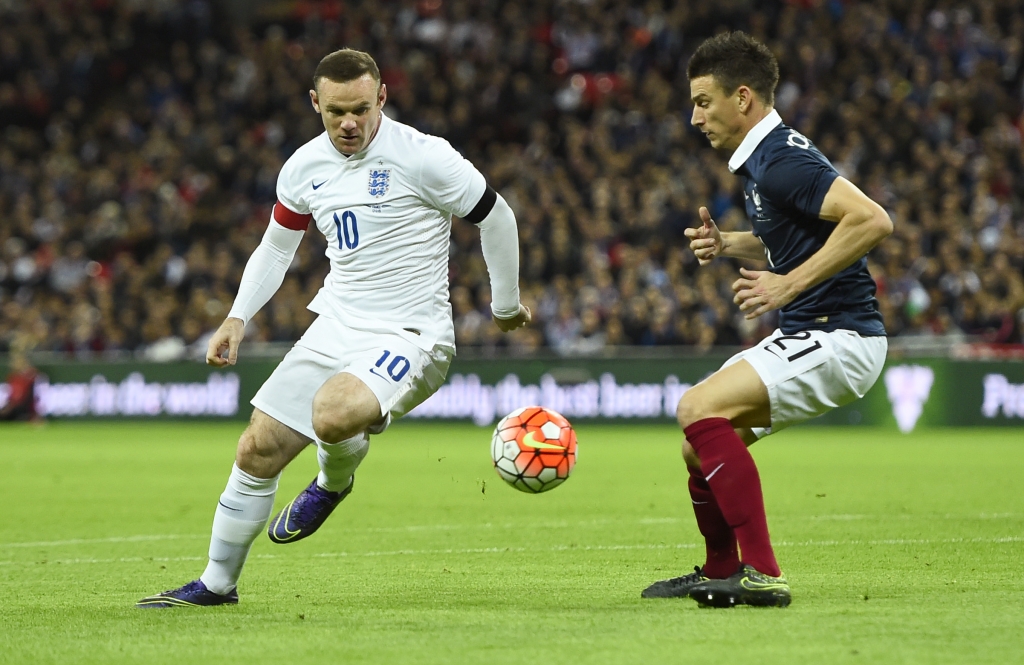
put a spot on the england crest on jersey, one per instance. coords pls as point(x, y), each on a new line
point(380, 181)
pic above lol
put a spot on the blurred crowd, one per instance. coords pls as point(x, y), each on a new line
point(141, 143)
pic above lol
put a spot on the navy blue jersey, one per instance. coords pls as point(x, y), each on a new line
point(785, 179)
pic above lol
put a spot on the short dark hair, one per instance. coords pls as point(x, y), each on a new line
point(735, 59)
point(346, 65)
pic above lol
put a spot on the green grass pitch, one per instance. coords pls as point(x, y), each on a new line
point(899, 549)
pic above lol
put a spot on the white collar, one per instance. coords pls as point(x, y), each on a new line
point(753, 139)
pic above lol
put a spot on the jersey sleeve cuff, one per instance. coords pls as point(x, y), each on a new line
point(238, 314)
point(505, 314)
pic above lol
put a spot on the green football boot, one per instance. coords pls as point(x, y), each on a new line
point(745, 587)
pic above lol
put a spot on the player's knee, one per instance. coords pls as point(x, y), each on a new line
point(333, 423)
point(690, 408)
point(342, 408)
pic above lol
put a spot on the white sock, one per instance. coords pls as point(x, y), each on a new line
point(241, 514)
point(338, 461)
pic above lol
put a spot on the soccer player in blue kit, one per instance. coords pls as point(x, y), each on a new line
point(814, 228)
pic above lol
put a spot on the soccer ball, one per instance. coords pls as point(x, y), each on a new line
point(534, 449)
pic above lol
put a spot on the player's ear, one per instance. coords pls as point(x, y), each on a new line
point(744, 98)
point(315, 100)
point(382, 95)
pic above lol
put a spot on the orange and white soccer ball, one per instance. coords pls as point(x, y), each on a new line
point(534, 449)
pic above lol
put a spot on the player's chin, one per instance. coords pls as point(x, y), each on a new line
point(348, 146)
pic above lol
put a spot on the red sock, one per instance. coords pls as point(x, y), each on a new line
point(719, 539)
point(732, 476)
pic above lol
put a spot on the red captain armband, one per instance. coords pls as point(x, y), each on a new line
point(289, 219)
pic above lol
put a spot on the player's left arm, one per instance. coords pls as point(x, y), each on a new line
point(860, 225)
point(453, 184)
point(499, 240)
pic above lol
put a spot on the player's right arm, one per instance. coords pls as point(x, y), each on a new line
point(707, 242)
point(262, 277)
point(264, 272)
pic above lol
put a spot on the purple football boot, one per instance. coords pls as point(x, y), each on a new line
point(305, 513)
point(193, 594)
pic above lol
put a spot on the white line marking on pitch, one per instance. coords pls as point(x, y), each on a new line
point(115, 539)
point(554, 548)
point(412, 528)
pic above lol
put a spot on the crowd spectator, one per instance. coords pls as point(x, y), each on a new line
point(141, 144)
point(17, 394)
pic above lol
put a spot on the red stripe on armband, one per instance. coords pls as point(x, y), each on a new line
point(290, 219)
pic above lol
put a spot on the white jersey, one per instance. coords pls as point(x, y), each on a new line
point(386, 213)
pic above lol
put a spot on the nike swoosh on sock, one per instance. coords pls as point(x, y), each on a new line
point(708, 477)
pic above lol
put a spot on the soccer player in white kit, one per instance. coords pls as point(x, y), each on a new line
point(383, 194)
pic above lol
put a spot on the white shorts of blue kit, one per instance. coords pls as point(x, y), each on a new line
point(813, 371)
point(398, 372)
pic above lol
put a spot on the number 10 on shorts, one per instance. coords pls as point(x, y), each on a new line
point(398, 367)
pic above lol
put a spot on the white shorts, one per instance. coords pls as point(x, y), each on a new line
point(392, 366)
point(813, 371)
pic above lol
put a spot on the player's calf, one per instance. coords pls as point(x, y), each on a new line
point(267, 446)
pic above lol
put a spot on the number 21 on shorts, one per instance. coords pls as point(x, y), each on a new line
point(802, 336)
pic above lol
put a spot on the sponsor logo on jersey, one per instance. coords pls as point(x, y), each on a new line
point(380, 182)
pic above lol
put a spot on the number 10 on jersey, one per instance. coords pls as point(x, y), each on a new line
point(348, 230)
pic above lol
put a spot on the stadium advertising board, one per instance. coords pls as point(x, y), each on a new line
point(134, 396)
point(142, 390)
point(908, 395)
